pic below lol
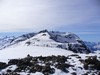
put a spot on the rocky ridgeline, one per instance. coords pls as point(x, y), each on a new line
point(48, 65)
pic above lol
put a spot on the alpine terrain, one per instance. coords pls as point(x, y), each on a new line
point(48, 53)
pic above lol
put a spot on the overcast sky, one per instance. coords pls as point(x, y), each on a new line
point(79, 16)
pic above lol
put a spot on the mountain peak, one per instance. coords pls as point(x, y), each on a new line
point(45, 38)
point(43, 31)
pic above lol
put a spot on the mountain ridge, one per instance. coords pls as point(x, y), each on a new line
point(68, 41)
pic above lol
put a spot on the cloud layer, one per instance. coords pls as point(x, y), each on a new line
point(34, 15)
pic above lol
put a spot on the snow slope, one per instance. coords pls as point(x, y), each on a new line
point(17, 52)
point(23, 51)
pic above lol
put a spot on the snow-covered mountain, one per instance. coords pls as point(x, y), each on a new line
point(5, 41)
point(22, 38)
point(97, 46)
point(68, 41)
point(47, 53)
point(93, 46)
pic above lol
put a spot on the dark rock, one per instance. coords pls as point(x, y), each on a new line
point(3, 65)
point(63, 67)
point(73, 73)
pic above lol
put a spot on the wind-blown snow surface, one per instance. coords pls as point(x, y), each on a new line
point(23, 51)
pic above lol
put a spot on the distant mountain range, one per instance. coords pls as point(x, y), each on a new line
point(93, 45)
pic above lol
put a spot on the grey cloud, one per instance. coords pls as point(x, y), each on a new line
point(18, 15)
